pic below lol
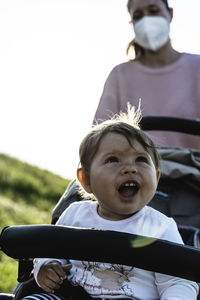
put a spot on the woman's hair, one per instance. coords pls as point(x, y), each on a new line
point(130, 2)
point(124, 124)
point(137, 48)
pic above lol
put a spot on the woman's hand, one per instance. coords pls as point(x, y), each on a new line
point(51, 275)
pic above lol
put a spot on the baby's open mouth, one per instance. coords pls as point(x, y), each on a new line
point(128, 189)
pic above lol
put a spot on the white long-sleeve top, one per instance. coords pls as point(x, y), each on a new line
point(114, 281)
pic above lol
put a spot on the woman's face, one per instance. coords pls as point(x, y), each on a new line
point(141, 8)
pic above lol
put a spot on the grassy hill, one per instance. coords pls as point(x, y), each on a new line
point(27, 196)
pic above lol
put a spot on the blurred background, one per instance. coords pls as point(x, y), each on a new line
point(55, 56)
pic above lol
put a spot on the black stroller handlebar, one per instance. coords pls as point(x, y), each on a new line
point(173, 124)
point(29, 241)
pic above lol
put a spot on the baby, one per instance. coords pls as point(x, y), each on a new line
point(119, 166)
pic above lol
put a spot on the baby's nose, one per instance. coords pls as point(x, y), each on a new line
point(128, 169)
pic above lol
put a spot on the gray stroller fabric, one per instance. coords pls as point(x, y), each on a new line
point(184, 164)
point(178, 193)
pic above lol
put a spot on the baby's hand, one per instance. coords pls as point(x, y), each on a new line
point(51, 275)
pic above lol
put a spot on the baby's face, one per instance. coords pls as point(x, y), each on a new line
point(122, 178)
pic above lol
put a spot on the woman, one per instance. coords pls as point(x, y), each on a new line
point(166, 81)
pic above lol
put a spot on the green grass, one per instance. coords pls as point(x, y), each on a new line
point(8, 273)
point(27, 196)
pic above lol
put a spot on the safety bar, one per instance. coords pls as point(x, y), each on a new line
point(55, 241)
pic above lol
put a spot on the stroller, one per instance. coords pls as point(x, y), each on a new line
point(177, 196)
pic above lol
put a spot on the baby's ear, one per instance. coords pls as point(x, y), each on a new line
point(158, 174)
point(84, 179)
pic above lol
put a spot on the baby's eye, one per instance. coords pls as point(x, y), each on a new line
point(111, 159)
point(142, 159)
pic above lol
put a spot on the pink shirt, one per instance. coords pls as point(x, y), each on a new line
point(172, 90)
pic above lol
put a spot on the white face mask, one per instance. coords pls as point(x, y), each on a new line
point(152, 32)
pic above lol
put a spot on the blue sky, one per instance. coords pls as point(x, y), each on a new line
point(55, 56)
